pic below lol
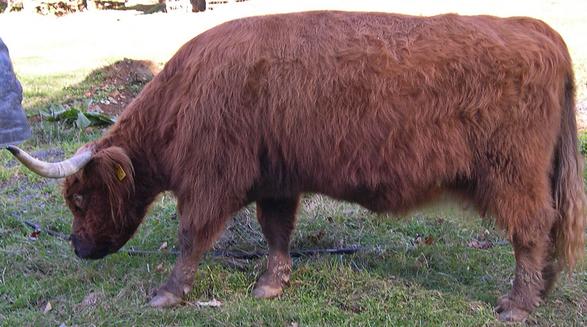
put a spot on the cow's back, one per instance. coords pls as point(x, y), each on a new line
point(349, 103)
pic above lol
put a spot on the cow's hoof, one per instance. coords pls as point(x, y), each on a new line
point(508, 311)
point(514, 315)
point(164, 299)
point(267, 291)
point(268, 287)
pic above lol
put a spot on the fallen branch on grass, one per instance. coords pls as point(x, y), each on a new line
point(219, 253)
point(230, 254)
point(253, 255)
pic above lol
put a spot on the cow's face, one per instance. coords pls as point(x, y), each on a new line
point(101, 198)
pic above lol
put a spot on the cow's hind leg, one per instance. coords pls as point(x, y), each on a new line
point(196, 236)
point(529, 282)
point(528, 217)
point(552, 268)
point(277, 219)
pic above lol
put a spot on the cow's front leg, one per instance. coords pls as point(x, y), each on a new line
point(195, 238)
point(277, 219)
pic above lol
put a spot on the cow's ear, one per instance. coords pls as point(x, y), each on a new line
point(114, 169)
point(114, 166)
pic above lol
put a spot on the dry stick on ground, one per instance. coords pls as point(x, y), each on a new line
point(257, 254)
point(220, 253)
point(232, 254)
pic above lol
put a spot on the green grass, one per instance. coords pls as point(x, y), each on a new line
point(395, 281)
point(40, 90)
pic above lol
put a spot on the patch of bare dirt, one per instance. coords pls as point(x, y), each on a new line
point(121, 83)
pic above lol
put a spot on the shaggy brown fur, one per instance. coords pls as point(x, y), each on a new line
point(378, 109)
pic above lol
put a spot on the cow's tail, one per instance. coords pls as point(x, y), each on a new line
point(567, 183)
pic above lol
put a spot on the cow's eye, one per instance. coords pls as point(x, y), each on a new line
point(78, 201)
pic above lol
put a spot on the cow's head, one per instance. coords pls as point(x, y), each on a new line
point(99, 190)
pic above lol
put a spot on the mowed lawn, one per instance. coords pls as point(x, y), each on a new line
point(440, 265)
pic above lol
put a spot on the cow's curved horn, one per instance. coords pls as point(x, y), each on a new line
point(52, 170)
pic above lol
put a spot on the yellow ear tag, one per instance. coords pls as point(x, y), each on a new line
point(120, 174)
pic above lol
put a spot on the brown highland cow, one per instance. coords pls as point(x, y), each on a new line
point(382, 110)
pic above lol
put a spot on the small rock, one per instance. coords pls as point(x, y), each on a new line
point(48, 307)
point(213, 303)
point(163, 246)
